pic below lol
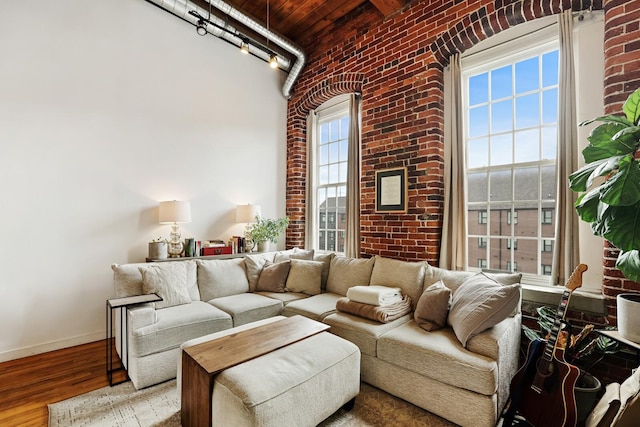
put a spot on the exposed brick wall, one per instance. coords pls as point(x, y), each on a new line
point(397, 63)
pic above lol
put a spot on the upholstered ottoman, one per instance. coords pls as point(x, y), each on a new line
point(300, 384)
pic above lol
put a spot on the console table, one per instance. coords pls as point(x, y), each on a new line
point(201, 362)
point(122, 304)
point(225, 256)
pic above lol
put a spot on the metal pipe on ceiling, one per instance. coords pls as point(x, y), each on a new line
point(223, 30)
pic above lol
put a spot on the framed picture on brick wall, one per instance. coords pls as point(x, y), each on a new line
point(391, 190)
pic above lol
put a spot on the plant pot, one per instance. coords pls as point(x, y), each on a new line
point(587, 390)
point(629, 316)
point(158, 250)
point(266, 246)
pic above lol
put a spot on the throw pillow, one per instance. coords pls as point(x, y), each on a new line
point(305, 276)
point(273, 277)
point(254, 265)
point(480, 303)
point(169, 281)
point(393, 273)
point(294, 253)
point(347, 272)
point(433, 307)
point(325, 258)
point(222, 277)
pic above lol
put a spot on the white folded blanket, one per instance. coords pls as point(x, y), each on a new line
point(374, 295)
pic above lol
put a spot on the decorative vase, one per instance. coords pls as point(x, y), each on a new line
point(587, 390)
point(629, 316)
point(265, 246)
point(158, 250)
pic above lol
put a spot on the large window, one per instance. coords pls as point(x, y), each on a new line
point(510, 98)
point(330, 177)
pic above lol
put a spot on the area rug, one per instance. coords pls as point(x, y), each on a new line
point(123, 406)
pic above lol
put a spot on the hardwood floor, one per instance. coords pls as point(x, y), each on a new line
point(29, 384)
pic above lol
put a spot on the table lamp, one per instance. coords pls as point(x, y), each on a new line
point(247, 214)
point(174, 212)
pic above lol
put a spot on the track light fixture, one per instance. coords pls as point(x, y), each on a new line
point(273, 61)
point(201, 28)
point(244, 48)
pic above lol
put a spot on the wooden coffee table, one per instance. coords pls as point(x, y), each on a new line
point(201, 362)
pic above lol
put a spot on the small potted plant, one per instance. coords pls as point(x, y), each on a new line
point(267, 230)
point(158, 249)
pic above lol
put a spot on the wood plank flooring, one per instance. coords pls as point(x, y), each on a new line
point(29, 384)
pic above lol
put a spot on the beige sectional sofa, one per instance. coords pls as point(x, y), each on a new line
point(458, 374)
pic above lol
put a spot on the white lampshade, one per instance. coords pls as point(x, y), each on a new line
point(174, 211)
point(247, 213)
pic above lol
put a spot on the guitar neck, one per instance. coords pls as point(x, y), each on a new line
point(557, 323)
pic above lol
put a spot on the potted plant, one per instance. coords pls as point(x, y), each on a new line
point(267, 230)
point(612, 205)
point(584, 350)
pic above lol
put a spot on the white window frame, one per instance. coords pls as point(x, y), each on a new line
point(336, 107)
point(509, 52)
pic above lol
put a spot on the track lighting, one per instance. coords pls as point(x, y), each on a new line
point(244, 48)
point(273, 61)
point(201, 28)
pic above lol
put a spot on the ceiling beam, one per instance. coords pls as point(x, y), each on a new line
point(387, 7)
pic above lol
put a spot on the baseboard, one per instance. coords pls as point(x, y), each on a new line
point(50, 346)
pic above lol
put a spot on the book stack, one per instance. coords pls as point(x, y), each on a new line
point(215, 247)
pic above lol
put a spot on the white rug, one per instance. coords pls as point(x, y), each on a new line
point(123, 406)
point(120, 406)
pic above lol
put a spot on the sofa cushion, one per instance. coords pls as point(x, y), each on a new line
point(408, 276)
point(285, 297)
point(453, 279)
point(480, 303)
point(362, 332)
point(169, 281)
point(347, 272)
point(127, 279)
point(248, 307)
point(176, 325)
point(273, 277)
point(295, 253)
point(221, 278)
point(325, 259)
point(305, 276)
point(433, 307)
point(316, 307)
point(254, 264)
point(440, 356)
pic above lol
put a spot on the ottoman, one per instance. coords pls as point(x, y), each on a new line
point(298, 385)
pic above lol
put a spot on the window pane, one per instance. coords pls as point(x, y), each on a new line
point(527, 77)
point(502, 116)
point(550, 68)
point(323, 177)
point(526, 183)
point(324, 133)
point(343, 172)
point(479, 89)
point(548, 182)
point(344, 150)
point(334, 130)
point(333, 152)
point(527, 146)
point(500, 184)
point(550, 106)
point(334, 173)
point(477, 185)
point(324, 155)
point(478, 153)
point(501, 149)
point(527, 111)
point(344, 127)
point(478, 121)
point(549, 142)
point(501, 84)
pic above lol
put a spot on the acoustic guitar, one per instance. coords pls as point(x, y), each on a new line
point(543, 390)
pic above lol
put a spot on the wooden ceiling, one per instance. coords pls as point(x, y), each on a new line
point(300, 20)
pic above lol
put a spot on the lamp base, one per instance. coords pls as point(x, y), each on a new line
point(175, 245)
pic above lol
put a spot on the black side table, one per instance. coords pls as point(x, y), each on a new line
point(122, 304)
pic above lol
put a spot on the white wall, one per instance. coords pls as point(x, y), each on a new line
point(107, 108)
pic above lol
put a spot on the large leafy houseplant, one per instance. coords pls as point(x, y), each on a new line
point(612, 205)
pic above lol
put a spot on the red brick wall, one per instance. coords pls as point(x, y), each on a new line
point(397, 64)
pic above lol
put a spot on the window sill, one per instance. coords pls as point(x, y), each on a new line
point(580, 300)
